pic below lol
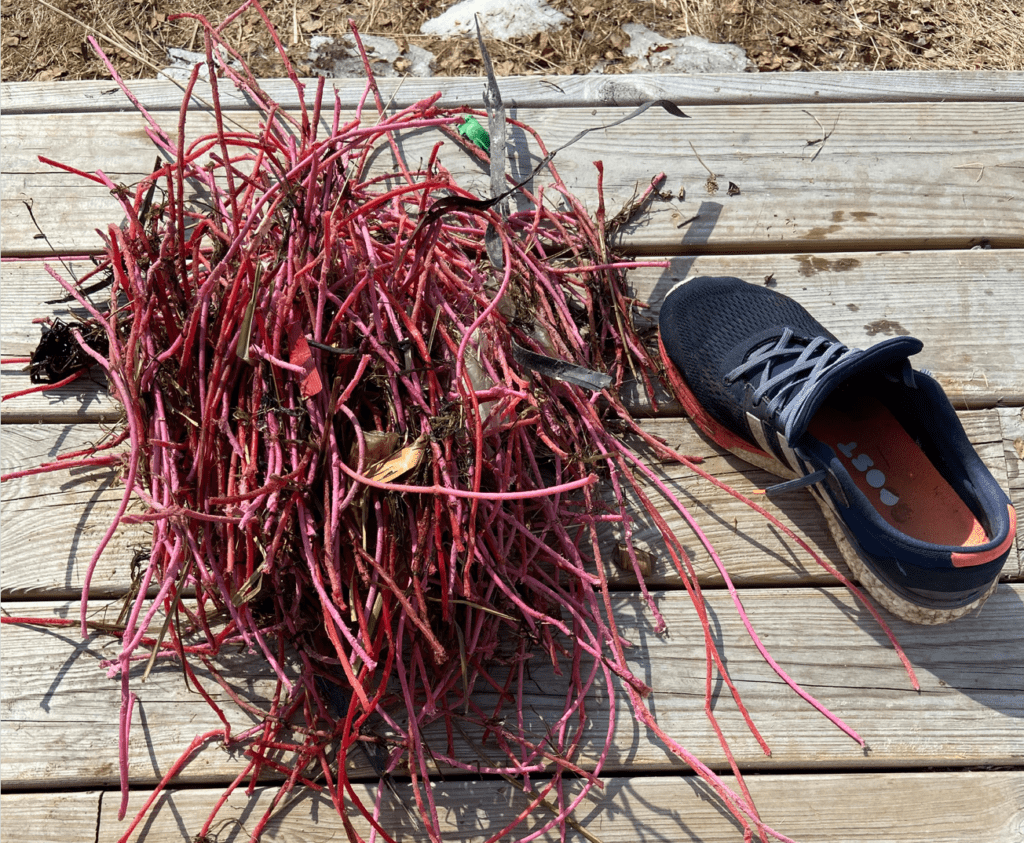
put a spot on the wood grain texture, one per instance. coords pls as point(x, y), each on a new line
point(51, 817)
point(963, 305)
point(925, 175)
point(863, 808)
point(53, 522)
point(863, 298)
point(60, 710)
point(85, 401)
point(556, 91)
point(1012, 421)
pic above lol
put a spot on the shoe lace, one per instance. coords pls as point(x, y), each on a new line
point(808, 363)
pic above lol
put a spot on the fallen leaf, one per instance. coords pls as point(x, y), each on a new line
point(399, 463)
point(50, 74)
point(379, 446)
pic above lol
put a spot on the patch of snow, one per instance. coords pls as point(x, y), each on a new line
point(338, 60)
point(182, 62)
point(498, 19)
point(653, 53)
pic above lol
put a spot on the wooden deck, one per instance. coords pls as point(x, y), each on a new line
point(886, 203)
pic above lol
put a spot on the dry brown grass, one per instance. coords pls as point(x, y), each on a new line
point(884, 34)
point(40, 43)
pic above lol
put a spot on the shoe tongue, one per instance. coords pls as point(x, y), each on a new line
point(888, 356)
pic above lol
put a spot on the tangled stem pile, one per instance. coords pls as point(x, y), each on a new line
point(344, 457)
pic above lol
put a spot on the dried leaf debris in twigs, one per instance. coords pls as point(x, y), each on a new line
point(59, 354)
point(378, 450)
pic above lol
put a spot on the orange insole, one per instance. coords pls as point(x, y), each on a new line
point(894, 473)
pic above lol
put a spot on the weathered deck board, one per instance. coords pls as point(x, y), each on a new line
point(872, 808)
point(60, 710)
point(51, 817)
point(46, 557)
point(918, 175)
point(864, 298)
point(863, 808)
point(861, 297)
point(1012, 422)
point(554, 92)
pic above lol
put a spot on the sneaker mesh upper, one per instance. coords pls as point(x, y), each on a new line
point(711, 325)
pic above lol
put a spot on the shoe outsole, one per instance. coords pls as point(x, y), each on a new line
point(862, 572)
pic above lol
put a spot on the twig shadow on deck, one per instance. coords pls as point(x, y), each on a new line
point(698, 233)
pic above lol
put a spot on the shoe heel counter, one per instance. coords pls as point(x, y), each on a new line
point(969, 560)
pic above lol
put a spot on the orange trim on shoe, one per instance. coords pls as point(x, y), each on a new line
point(718, 432)
point(966, 560)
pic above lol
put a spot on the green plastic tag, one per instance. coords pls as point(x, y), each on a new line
point(475, 133)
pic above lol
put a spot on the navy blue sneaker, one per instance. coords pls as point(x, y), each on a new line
point(916, 514)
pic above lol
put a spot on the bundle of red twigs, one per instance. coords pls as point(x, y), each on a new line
point(337, 428)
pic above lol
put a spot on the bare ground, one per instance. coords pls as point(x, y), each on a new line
point(43, 42)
